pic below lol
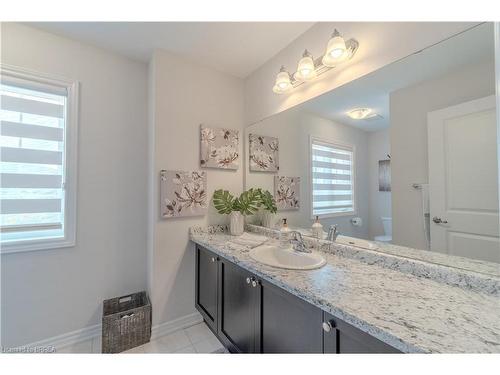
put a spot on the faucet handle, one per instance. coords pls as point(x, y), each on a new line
point(333, 232)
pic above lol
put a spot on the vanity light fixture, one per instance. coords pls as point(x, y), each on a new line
point(337, 51)
point(283, 82)
point(305, 69)
point(360, 113)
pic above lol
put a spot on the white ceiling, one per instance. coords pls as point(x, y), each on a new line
point(372, 91)
point(236, 48)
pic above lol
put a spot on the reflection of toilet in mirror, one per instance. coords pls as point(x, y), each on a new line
point(387, 236)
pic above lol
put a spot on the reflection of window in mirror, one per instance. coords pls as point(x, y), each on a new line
point(332, 178)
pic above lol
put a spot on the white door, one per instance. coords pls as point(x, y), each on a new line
point(463, 180)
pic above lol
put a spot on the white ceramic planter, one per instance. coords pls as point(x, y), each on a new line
point(236, 223)
point(268, 219)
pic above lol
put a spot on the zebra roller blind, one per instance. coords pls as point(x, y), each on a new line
point(332, 167)
point(33, 119)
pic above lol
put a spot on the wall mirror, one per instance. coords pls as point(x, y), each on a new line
point(405, 157)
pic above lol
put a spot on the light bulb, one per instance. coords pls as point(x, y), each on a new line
point(282, 83)
point(305, 69)
point(305, 72)
point(336, 50)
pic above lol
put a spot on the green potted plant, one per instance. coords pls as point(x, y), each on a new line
point(269, 208)
point(237, 208)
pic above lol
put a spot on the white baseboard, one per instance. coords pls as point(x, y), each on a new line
point(89, 339)
point(70, 338)
point(186, 321)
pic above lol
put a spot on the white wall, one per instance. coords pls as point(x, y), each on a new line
point(381, 43)
point(380, 201)
point(293, 129)
point(185, 96)
point(409, 163)
point(48, 293)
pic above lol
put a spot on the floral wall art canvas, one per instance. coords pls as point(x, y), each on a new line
point(263, 153)
point(183, 193)
point(219, 148)
point(287, 192)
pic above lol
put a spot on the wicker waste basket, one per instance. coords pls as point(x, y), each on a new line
point(126, 322)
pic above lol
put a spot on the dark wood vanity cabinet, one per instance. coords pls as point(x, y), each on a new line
point(250, 315)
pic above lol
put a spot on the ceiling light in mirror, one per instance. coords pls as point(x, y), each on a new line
point(305, 69)
point(359, 113)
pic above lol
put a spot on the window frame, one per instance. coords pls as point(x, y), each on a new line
point(332, 143)
point(70, 159)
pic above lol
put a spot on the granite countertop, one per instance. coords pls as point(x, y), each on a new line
point(466, 264)
point(412, 311)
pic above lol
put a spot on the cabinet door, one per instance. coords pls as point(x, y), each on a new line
point(352, 340)
point(206, 286)
point(289, 324)
point(238, 308)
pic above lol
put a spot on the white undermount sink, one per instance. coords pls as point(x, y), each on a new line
point(275, 256)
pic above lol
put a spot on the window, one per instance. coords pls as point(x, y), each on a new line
point(38, 161)
point(332, 178)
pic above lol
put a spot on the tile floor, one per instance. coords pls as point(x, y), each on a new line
point(195, 339)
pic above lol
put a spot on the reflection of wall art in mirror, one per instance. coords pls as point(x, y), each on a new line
point(287, 192)
point(264, 153)
point(219, 148)
point(384, 175)
point(183, 193)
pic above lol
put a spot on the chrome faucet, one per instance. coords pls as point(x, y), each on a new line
point(298, 242)
point(333, 233)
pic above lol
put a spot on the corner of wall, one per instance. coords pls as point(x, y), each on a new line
point(151, 173)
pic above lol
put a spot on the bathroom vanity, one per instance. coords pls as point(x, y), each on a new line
point(251, 315)
point(360, 301)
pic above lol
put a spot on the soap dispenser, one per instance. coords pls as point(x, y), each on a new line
point(284, 235)
point(317, 229)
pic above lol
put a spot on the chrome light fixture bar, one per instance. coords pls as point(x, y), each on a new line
point(337, 52)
